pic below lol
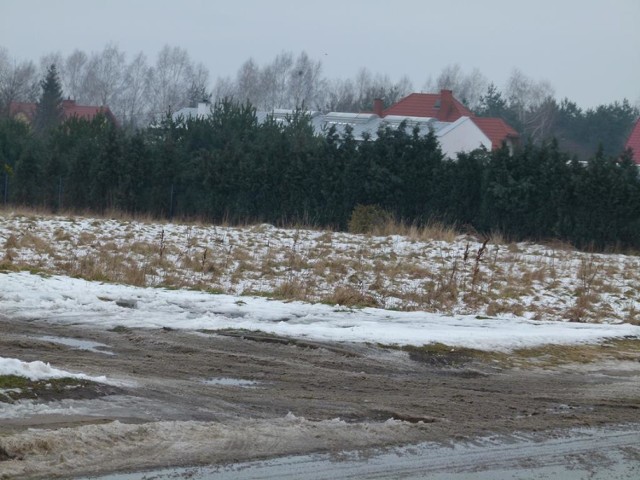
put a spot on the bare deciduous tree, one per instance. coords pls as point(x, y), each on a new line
point(340, 96)
point(466, 87)
point(541, 120)
point(134, 102)
point(532, 103)
point(369, 87)
point(275, 82)
point(225, 88)
point(19, 81)
point(248, 88)
point(199, 87)
point(526, 93)
point(305, 82)
point(73, 74)
point(171, 79)
point(103, 82)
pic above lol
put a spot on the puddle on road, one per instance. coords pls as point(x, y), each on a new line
point(87, 345)
point(232, 382)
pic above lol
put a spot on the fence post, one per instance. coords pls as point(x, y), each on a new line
point(171, 204)
point(60, 193)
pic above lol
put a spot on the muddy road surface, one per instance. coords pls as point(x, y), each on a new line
point(180, 398)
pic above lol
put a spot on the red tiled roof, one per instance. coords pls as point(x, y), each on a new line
point(69, 110)
point(442, 106)
point(634, 142)
point(26, 109)
point(495, 129)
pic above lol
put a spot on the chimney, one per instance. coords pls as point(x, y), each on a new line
point(378, 106)
point(446, 105)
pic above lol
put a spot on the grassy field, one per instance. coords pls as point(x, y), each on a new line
point(398, 267)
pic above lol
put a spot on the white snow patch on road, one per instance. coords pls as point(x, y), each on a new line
point(40, 371)
point(60, 299)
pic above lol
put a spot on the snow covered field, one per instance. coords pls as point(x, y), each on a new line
point(448, 274)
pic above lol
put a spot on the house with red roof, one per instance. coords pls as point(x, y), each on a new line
point(441, 106)
point(444, 107)
point(634, 142)
point(27, 111)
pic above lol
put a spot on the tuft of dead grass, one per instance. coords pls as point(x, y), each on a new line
point(11, 242)
point(348, 296)
point(547, 356)
point(293, 289)
point(432, 231)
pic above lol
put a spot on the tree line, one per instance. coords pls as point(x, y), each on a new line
point(136, 91)
point(140, 92)
point(231, 167)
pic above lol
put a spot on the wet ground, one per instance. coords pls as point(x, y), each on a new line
point(197, 398)
point(576, 454)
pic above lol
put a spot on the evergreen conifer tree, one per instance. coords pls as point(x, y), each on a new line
point(49, 108)
point(28, 178)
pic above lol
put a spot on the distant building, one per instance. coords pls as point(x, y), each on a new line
point(203, 110)
point(455, 126)
point(27, 111)
point(634, 142)
point(445, 108)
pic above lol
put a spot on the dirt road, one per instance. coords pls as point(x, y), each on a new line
point(194, 398)
point(593, 453)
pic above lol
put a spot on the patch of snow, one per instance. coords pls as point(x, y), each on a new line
point(231, 382)
point(40, 371)
point(60, 299)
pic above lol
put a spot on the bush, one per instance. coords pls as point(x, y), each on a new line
point(368, 219)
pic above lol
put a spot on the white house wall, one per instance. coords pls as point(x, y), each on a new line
point(461, 136)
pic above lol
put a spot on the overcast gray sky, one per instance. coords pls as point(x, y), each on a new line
point(589, 50)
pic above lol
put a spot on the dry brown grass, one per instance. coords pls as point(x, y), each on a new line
point(11, 242)
point(349, 296)
point(292, 289)
point(554, 355)
point(431, 268)
point(35, 242)
point(547, 357)
point(498, 307)
point(434, 231)
point(579, 311)
point(632, 315)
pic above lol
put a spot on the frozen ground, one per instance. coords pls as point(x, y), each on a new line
point(190, 346)
point(185, 398)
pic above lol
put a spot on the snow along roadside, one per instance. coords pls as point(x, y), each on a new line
point(60, 299)
point(41, 371)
